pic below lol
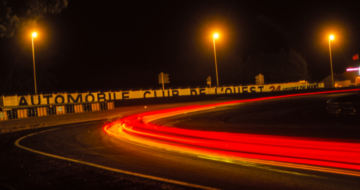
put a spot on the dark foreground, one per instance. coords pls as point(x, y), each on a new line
point(305, 116)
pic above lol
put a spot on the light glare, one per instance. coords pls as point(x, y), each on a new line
point(331, 37)
point(216, 35)
point(34, 34)
point(352, 69)
point(302, 153)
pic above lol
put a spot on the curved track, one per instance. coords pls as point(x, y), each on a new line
point(88, 144)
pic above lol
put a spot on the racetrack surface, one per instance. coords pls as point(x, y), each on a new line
point(88, 143)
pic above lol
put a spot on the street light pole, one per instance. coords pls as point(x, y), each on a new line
point(331, 37)
point(33, 53)
point(217, 78)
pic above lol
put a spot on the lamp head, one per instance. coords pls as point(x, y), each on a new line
point(34, 34)
point(331, 37)
point(216, 35)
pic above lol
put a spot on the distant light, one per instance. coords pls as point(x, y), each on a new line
point(352, 69)
point(34, 34)
point(331, 37)
point(356, 57)
point(216, 35)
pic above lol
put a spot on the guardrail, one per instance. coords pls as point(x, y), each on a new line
point(26, 112)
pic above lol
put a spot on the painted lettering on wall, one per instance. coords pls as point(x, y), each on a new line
point(37, 100)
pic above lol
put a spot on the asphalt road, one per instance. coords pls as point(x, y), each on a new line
point(88, 143)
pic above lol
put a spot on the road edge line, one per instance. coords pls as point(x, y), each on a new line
point(106, 167)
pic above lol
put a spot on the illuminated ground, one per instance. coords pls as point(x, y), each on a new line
point(88, 142)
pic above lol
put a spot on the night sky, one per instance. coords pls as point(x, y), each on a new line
point(103, 45)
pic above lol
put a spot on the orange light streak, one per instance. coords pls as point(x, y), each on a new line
point(296, 152)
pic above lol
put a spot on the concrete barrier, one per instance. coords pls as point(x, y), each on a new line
point(79, 108)
point(60, 110)
point(110, 105)
point(41, 111)
point(3, 116)
point(95, 107)
point(22, 113)
point(63, 103)
point(97, 97)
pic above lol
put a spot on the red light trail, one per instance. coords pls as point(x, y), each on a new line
point(305, 153)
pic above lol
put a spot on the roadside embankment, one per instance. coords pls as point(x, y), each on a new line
point(110, 115)
point(54, 120)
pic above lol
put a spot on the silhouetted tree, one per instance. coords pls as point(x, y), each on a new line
point(16, 74)
point(285, 66)
point(17, 14)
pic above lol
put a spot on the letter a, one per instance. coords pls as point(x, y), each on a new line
point(23, 101)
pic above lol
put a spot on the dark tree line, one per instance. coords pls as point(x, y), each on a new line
point(17, 74)
point(22, 14)
point(16, 18)
point(281, 67)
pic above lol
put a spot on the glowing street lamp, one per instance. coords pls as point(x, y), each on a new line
point(34, 35)
point(331, 37)
point(216, 35)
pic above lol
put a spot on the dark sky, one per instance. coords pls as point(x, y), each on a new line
point(112, 45)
